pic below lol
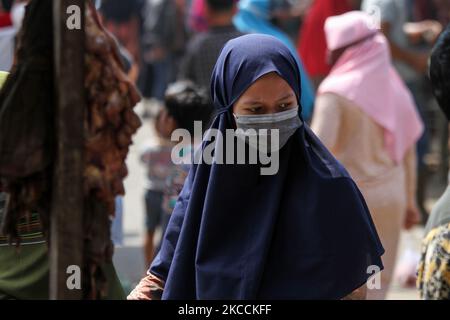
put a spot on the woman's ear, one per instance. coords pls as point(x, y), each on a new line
point(165, 124)
point(157, 124)
point(171, 125)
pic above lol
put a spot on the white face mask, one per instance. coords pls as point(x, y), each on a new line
point(17, 15)
point(268, 132)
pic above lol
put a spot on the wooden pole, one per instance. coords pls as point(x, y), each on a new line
point(66, 243)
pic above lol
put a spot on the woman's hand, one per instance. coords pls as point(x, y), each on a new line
point(412, 218)
point(358, 294)
point(428, 30)
point(150, 288)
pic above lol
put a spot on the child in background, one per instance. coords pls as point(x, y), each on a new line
point(158, 163)
point(189, 104)
point(184, 104)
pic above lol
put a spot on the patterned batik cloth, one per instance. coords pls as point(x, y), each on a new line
point(434, 268)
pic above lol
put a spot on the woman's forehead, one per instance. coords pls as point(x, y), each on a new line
point(270, 85)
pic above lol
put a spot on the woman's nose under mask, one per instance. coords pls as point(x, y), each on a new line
point(268, 132)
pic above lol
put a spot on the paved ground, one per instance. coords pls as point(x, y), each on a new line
point(409, 240)
point(129, 259)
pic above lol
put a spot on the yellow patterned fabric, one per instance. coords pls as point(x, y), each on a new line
point(434, 268)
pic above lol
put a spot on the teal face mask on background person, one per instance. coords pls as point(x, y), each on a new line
point(258, 130)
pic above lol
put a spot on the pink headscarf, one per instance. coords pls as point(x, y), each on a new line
point(364, 74)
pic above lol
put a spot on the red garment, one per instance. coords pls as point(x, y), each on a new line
point(5, 19)
point(312, 44)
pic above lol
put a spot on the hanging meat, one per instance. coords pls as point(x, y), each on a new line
point(27, 134)
point(109, 125)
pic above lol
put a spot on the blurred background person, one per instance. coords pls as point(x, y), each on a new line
point(5, 14)
point(394, 20)
point(129, 61)
point(431, 9)
point(311, 42)
point(254, 17)
point(197, 21)
point(187, 103)
point(183, 105)
point(123, 19)
point(204, 48)
point(434, 268)
point(8, 33)
point(411, 64)
point(164, 40)
point(366, 116)
point(157, 159)
point(437, 159)
point(288, 15)
point(18, 12)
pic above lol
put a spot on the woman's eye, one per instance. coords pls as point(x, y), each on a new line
point(285, 106)
point(254, 109)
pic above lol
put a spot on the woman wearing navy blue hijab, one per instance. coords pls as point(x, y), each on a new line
point(302, 233)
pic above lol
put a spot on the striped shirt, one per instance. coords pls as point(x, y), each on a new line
point(29, 229)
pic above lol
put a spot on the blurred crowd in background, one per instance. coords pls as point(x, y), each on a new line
point(170, 40)
point(178, 41)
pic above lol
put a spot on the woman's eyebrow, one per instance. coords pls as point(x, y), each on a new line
point(251, 103)
point(290, 95)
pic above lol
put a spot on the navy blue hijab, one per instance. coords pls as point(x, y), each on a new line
point(304, 233)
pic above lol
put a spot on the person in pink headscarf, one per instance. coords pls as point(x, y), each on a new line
point(366, 117)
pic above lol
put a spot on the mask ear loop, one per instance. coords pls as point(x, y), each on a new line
point(232, 118)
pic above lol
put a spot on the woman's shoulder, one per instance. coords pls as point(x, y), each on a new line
point(336, 100)
point(333, 102)
point(329, 98)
